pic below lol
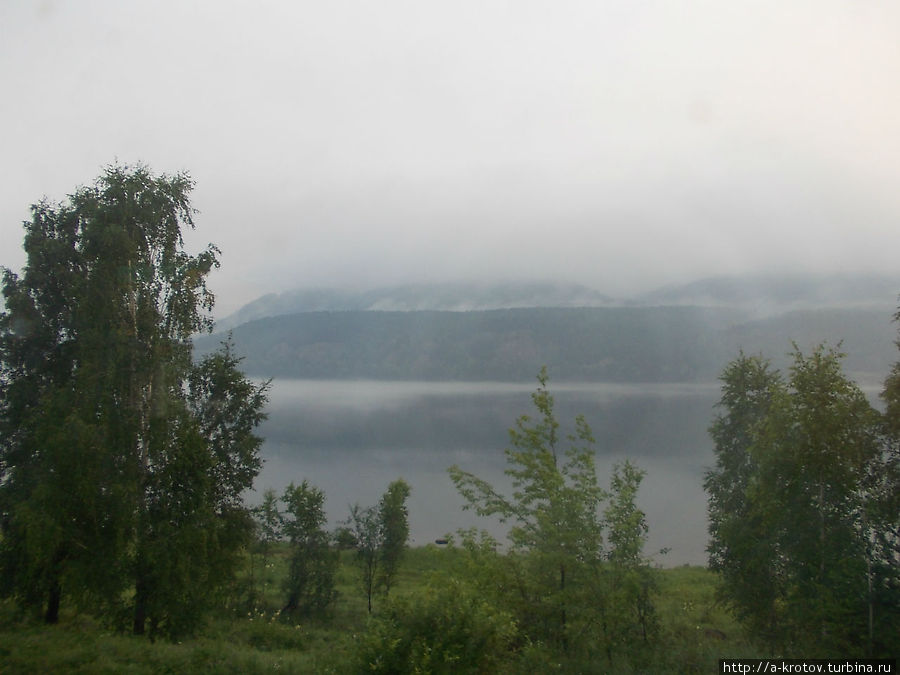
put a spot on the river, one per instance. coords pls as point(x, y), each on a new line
point(351, 438)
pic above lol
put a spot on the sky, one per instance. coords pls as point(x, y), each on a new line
point(619, 144)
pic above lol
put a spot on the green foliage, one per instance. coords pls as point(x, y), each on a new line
point(310, 580)
point(445, 628)
point(267, 531)
point(627, 524)
point(393, 516)
point(695, 629)
point(891, 396)
point(269, 522)
point(121, 462)
point(628, 611)
point(742, 547)
point(380, 534)
point(255, 647)
point(344, 538)
point(797, 538)
point(267, 632)
point(886, 481)
point(364, 525)
point(564, 588)
point(228, 407)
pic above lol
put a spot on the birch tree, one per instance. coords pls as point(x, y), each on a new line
point(114, 446)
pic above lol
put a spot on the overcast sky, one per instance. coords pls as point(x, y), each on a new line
point(620, 144)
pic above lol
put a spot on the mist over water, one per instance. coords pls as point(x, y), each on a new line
point(351, 438)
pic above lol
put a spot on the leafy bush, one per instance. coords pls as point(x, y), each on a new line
point(310, 580)
point(447, 628)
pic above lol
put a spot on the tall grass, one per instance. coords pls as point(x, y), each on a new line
point(252, 636)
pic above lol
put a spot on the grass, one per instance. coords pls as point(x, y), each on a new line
point(695, 629)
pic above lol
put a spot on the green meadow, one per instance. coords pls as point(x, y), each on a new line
point(695, 631)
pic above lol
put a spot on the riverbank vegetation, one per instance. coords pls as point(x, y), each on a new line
point(694, 628)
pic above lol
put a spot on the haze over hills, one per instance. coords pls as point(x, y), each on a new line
point(454, 297)
point(765, 295)
point(454, 332)
point(758, 295)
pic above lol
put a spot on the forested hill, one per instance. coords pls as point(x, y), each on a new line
point(640, 344)
point(455, 297)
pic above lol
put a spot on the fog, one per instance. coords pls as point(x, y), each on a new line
point(617, 144)
point(351, 439)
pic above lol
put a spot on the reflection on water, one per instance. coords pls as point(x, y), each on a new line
point(352, 438)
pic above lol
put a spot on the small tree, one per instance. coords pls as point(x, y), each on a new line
point(380, 534)
point(267, 529)
point(628, 613)
point(393, 517)
point(310, 581)
point(366, 529)
point(556, 523)
point(269, 523)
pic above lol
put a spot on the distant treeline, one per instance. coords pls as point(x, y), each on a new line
point(636, 344)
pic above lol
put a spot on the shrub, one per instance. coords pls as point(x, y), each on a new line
point(447, 628)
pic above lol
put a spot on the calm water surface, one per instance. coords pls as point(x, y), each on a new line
point(351, 438)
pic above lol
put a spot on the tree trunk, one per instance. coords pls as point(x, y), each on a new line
point(54, 591)
point(53, 598)
point(562, 617)
point(823, 625)
point(869, 599)
point(140, 607)
point(293, 602)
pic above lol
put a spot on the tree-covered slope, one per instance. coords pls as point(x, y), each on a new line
point(651, 344)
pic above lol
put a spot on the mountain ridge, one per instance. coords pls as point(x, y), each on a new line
point(453, 296)
point(758, 295)
point(624, 344)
